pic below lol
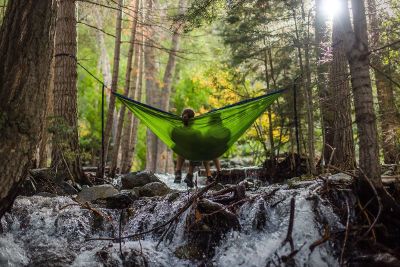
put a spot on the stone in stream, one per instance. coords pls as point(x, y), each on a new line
point(137, 179)
point(154, 189)
point(121, 200)
point(207, 225)
point(96, 192)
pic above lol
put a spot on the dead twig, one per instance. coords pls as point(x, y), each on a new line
point(378, 198)
point(291, 223)
point(362, 209)
point(120, 234)
point(347, 231)
point(325, 237)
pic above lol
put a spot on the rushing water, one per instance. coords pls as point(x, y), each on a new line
point(44, 231)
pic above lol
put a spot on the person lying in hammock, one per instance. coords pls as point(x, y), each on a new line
point(187, 114)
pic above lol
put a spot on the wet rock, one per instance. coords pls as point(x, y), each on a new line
point(121, 200)
point(137, 179)
point(68, 189)
point(96, 192)
point(189, 252)
point(208, 224)
point(134, 258)
point(105, 257)
point(154, 189)
point(173, 196)
point(380, 259)
point(260, 215)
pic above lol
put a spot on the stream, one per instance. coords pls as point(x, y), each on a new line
point(50, 230)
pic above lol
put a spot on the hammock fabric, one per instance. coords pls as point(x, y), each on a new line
point(207, 136)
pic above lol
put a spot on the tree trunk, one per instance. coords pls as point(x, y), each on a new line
point(104, 60)
point(44, 146)
point(117, 141)
point(388, 112)
point(26, 49)
point(114, 85)
point(65, 149)
point(356, 43)
point(162, 152)
point(138, 96)
point(309, 95)
point(126, 157)
point(152, 86)
point(339, 103)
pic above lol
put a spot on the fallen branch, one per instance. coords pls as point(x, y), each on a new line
point(291, 223)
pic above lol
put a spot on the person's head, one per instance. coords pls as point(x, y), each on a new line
point(186, 115)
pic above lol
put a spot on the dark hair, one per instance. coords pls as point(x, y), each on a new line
point(186, 115)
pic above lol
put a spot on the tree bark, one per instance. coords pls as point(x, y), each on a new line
point(388, 113)
point(26, 49)
point(339, 103)
point(138, 96)
point(117, 141)
point(152, 86)
point(66, 161)
point(356, 43)
point(309, 94)
point(44, 146)
point(126, 159)
point(162, 152)
point(114, 85)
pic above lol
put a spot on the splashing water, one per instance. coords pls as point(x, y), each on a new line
point(42, 231)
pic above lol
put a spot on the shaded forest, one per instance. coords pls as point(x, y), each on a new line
point(64, 131)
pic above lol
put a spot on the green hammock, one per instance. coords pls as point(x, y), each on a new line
point(207, 136)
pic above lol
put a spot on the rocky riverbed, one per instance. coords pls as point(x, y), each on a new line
point(51, 230)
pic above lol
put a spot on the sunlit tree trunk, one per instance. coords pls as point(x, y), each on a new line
point(388, 113)
point(26, 50)
point(356, 44)
point(308, 91)
point(152, 85)
point(66, 161)
point(321, 41)
point(114, 84)
point(117, 141)
point(104, 60)
point(162, 152)
point(339, 102)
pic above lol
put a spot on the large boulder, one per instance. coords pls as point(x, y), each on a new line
point(96, 192)
point(137, 179)
point(154, 189)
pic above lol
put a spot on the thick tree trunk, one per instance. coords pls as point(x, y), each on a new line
point(388, 113)
point(356, 43)
point(162, 152)
point(26, 49)
point(65, 149)
point(339, 104)
point(152, 86)
point(114, 85)
point(321, 41)
point(117, 141)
